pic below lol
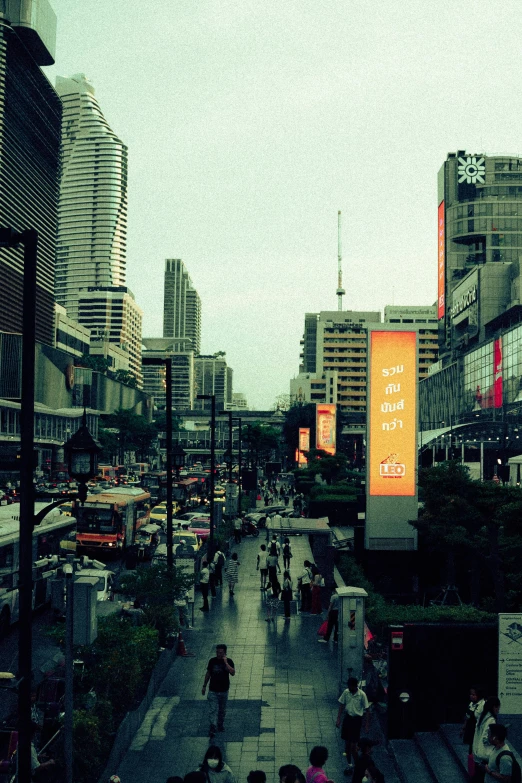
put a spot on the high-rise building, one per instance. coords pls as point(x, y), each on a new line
point(30, 122)
point(161, 348)
point(213, 376)
point(422, 320)
point(92, 225)
point(111, 313)
point(182, 305)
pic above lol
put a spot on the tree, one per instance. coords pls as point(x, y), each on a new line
point(126, 377)
point(300, 414)
point(135, 432)
point(261, 440)
point(96, 363)
point(331, 467)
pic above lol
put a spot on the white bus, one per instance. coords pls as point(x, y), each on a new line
point(47, 538)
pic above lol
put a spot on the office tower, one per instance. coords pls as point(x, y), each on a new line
point(92, 224)
point(112, 314)
point(213, 376)
point(162, 348)
point(479, 373)
point(70, 336)
point(182, 305)
point(422, 320)
point(30, 121)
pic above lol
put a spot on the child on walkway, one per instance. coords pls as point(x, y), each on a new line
point(272, 602)
point(232, 573)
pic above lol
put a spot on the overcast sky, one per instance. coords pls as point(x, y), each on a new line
point(250, 123)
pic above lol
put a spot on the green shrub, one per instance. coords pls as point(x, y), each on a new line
point(88, 747)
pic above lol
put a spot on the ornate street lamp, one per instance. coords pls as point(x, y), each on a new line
point(82, 457)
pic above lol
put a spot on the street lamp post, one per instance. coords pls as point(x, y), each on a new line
point(167, 363)
point(212, 398)
point(82, 456)
point(9, 238)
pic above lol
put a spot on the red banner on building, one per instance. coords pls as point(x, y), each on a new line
point(497, 373)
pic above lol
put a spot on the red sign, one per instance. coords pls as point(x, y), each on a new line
point(325, 427)
point(304, 445)
point(497, 373)
point(441, 254)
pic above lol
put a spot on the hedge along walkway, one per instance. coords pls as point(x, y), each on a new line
point(282, 701)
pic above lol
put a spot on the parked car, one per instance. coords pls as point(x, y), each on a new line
point(105, 581)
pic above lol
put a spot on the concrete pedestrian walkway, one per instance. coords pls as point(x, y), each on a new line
point(282, 701)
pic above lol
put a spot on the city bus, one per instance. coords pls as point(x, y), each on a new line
point(106, 473)
point(186, 491)
point(155, 482)
point(108, 522)
point(47, 540)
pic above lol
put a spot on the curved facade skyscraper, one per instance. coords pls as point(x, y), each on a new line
point(92, 218)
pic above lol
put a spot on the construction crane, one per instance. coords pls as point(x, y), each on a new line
point(340, 290)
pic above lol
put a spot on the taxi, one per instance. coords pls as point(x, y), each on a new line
point(158, 514)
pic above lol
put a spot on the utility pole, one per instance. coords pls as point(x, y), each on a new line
point(340, 290)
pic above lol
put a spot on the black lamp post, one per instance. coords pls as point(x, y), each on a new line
point(178, 457)
point(212, 398)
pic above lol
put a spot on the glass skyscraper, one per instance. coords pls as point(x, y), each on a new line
point(92, 220)
point(182, 306)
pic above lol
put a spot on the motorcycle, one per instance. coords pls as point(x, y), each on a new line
point(248, 528)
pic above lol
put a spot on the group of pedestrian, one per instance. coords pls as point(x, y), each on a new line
point(211, 576)
point(270, 570)
point(213, 768)
point(310, 582)
point(489, 751)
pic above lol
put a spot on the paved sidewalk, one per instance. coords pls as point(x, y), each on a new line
point(282, 701)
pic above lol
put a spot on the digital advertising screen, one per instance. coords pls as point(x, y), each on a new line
point(441, 255)
point(393, 413)
point(304, 445)
point(325, 427)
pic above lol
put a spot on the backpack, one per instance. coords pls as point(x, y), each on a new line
point(286, 550)
point(516, 774)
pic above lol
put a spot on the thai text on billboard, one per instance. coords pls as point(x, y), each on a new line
point(325, 427)
point(441, 301)
point(304, 445)
point(393, 413)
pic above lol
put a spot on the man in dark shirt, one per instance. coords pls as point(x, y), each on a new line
point(219, 671)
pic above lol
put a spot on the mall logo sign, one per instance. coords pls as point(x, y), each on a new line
point(472, 170)
point(467, 299)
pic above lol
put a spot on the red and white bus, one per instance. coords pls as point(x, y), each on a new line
point(186, 491)
point(108, 522)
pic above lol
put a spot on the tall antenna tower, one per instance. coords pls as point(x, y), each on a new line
point(340, 290)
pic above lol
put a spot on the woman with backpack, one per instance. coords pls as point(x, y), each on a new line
point(315, 772)
point(272, 561)
point(481, 746)
point(287, 553)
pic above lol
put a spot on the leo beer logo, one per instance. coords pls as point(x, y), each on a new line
point(391, 468)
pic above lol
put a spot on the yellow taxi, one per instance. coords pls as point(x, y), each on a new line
point(158, 514)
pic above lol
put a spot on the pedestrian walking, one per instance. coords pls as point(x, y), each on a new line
point(272, 561)
point(232, 572)
point(183, 611)
point(473, 713)
point(481, 746)
point(204, 579)
point(262, 565)
point(219, 560)
point(333, 620)
point(256, 776)
point(238, 524)
point(287, 593)
point(289, 773)
point(364, 761)
point(275, 541)
point(502, 764)
point(272, 603)
point(215, 769)
point(353, 705)
point(219, 671)
point(212, 577)
point(371, 683)
point(316, 584)
point(304, 584)
point(318, 758)
point(287, 553)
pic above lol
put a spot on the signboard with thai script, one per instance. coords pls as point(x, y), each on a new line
point(393, 413)
point(325, 427)
point(304, 445)
point(510, 663)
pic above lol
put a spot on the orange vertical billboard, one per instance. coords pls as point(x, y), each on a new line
point(441, 255)
point(393, 413)
point(325, 427)
point(304, 445)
